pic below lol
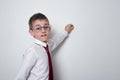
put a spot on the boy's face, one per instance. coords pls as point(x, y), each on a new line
point(40, 30)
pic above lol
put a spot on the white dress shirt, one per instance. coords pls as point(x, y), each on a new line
point(35, 60)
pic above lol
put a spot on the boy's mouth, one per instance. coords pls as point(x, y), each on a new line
point(44, 35)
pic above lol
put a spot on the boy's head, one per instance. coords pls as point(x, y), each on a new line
point(39, 27)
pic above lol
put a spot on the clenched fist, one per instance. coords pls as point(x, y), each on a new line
point(69, 27)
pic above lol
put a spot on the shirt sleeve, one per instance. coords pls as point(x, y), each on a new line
point(57, 39)
point(28, 62)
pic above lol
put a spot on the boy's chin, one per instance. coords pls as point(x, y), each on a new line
point(44, 40)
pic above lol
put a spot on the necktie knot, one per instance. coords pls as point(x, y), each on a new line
point(47, 48)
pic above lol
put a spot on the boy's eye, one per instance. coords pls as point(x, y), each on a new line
point(39, 28)
point(45, 27)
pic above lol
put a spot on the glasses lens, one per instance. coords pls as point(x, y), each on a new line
point(39, 28)
point(46, 27)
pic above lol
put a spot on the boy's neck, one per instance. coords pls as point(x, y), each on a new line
point(43, 43)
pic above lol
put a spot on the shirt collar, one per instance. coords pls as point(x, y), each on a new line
point(40, 43)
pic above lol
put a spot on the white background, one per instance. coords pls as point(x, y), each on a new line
point(92, 51)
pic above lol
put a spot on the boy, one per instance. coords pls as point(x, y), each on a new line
point(37, 63)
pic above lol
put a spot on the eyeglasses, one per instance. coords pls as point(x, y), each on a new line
point(39, 28)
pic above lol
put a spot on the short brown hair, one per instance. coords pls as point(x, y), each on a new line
point(37, 16)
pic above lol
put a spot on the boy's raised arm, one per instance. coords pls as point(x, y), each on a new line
point(58, 38)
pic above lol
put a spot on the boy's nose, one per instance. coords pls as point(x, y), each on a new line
point(43, 30)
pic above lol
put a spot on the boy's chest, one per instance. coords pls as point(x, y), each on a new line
point(41, 64)
point(42, 56)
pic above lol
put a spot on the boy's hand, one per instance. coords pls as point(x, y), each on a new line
point(69, 28)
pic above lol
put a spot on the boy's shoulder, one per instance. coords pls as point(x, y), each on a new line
point(30, 50)
point(33, 49)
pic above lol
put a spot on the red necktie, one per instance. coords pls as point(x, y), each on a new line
point(50, 63)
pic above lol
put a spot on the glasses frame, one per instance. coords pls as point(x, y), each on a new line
point(39, 28)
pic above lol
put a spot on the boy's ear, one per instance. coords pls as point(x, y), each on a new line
point(31, 33)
